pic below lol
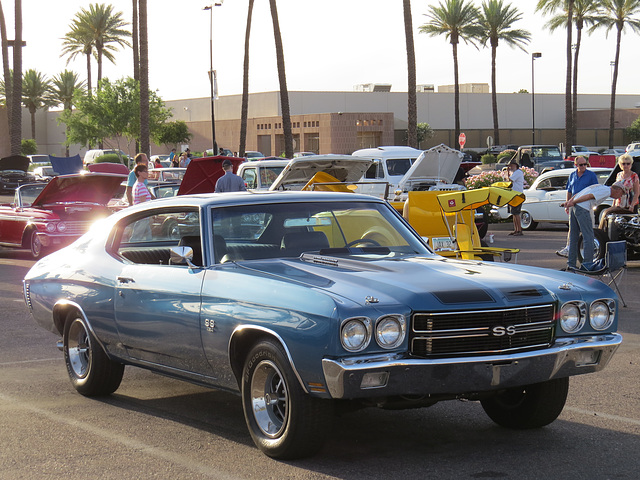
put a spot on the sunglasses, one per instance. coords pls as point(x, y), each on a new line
point(581, 164)
point(625, 163)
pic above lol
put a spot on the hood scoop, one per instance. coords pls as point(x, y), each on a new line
point(518, 294)
point(466, 296)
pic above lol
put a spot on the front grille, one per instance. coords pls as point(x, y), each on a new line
point(75, 228)
point(482, 331)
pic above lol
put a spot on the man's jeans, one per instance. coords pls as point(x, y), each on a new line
point(580, 221)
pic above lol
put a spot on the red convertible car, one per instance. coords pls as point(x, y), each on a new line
point(47, 216)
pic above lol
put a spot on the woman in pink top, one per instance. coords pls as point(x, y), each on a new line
point(140, 191)
point(628, 203)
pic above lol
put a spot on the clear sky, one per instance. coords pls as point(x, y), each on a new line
point(329, 45)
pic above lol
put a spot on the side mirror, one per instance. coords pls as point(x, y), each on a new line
point(181, 255)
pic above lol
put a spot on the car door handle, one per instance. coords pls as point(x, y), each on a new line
point(125, 280)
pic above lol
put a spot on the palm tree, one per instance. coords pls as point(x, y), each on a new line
point(36, 94)
point(6, 70)
point(618, 14)
point(284, 93)
point(103, 28)
point(583, 16)
point(144, 79)
point(412, 107)
point(568, 104)
point(457, 20)
point(16, 100)
point(496, 20)
point(244, 113)
point(78, 41)
point(63, 88)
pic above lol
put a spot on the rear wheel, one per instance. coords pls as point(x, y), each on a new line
point(530, 406)
point(284, 421)
point(91, 371)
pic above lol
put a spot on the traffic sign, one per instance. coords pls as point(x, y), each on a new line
point(462, 139)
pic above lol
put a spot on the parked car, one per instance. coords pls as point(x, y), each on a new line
point(390, 163)
point(538, 157)
point(44, 174)
point(45, 216)
point(582, 151)
point(613, 151)
point(91, 155)
point(14, 171)
point(39, 159)
point(546, 194)
point(171, 174)
point(619, 227)
point(286, 300)
point(261, 175)
point(253, 155)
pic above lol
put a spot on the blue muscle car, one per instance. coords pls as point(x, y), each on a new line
point(302, 302)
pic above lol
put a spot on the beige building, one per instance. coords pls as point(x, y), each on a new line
point(342, 122)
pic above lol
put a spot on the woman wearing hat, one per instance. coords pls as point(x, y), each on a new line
point(517, 179)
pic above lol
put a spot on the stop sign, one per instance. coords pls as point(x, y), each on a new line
point(462, 139)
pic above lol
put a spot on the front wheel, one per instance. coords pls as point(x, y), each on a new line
point(284, 421)
point(91, 371)
point(526, 221)
point(530, 406)
point(35, 245)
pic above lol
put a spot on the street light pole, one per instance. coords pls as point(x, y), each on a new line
point(214, 144)
point(533, 98)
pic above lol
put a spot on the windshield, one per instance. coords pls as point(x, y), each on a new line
point(399, 166)
point(252, 232)
point(26, 194)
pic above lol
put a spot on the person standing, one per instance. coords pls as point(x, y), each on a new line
point(172, 155)
point(140, 159)
point(629, 202)
point(229, 182)
point(579, 179)
point(184, 160)
point(517, 179)
point(579, 208)
point(140, 191)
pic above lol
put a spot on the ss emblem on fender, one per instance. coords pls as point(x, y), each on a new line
point(500, 331)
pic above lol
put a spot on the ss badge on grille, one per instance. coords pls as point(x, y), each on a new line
point(500, 331)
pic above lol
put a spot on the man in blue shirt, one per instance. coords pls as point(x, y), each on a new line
point(229, 182)
point(579, 179)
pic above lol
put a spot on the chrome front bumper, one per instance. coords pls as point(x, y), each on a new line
point(376, 376)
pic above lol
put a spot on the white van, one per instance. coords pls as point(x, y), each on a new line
point(91, 155)
point(389, 164)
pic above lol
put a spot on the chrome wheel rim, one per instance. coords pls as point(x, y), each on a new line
point(525, 219)
point(269, 399)
point(79, 349)
point(36, 245)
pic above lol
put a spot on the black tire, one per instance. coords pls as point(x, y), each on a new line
point(91, 371)
point(284, 421)
point(527, 222)
point(482, 225)
point(531, 406)
point(600, 239)
point(37, 250)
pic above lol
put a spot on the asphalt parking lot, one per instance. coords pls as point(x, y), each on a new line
point(155, 427)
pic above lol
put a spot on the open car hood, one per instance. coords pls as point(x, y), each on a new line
point(96, 188)
point(15, 162)
point(343, 168)
point(439, 163)
point(203, 173)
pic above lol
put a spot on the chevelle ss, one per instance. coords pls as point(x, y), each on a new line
point(306, 302)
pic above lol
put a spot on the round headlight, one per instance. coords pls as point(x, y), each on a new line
point(572, 317)
point(356, 334)
point(390, 331)
point(51, 227)
point(600, 315)
point(62, 227)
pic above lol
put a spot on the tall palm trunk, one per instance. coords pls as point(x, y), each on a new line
point(412, 107)
point(284, 94)
point(245, 85)
point(89, 73)
point(6, 71)
point(32, 113)
point(568, 105)
point(135, 44)
point(494, 94)
point(574, 110)
point(16, 101)
point(456, 90)
point(612, 114)
point(144, 79)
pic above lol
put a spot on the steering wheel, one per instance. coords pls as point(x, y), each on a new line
point(360, 241)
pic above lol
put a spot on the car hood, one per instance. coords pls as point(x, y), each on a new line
point(439, 163)
point(203, 173)
point(15, 162)
point(96, 188)
point(345, 168)
point(404, 282)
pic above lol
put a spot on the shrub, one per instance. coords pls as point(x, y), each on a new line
point(110, 158)
point(506, 153)
point(488, 178)
point(28, 146)
point(488, 158)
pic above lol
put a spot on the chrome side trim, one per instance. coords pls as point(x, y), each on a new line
point(240, 328)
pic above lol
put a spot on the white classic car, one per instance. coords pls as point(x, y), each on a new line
point(545, 196)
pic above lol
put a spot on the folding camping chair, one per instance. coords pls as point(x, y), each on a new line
point(614, 265)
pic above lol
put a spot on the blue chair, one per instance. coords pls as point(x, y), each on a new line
point(613, 264)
